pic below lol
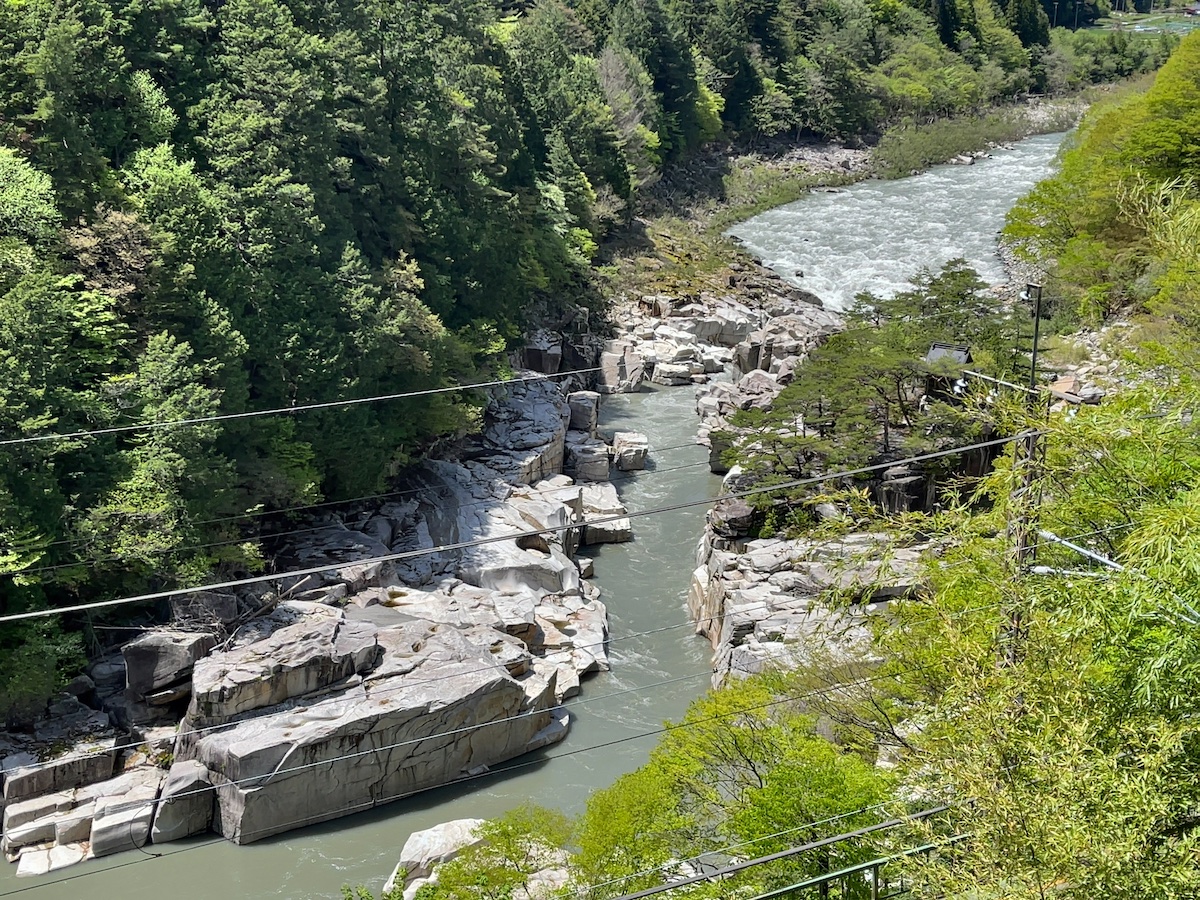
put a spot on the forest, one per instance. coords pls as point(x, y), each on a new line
point(1050, 709)
point(220, 208)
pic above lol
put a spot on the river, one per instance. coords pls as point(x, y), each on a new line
point(875, 235)
point(872, 236)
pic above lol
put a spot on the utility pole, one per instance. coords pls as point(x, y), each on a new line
point(1026, 498)
point(1033, 293)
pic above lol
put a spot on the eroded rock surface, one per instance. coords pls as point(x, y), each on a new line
point(781, 603)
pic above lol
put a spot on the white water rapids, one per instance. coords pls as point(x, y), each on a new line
point(875, 235)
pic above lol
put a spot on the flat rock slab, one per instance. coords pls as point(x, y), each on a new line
point(446, 707)
point(291, 662)
point(123, 814)
point(87, 763)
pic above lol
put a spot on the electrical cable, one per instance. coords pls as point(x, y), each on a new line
point(479, 542)
point(726, 849)
point(501, 769)
point(410, 684)
point(287, 410)
point(349, 501)
point(407, 685)
point(608, 641)
point(93, 563)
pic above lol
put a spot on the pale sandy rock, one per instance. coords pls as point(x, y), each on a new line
point(376, 741)
point(630, 449)
point(67, 854)
point(585, 410)
point(524, 430)
point(553, 732)
point(293, 661)
point(33, 861)
point(425, 849)
point(587, 458)
point(186, 804)
point(671, 374)
point(124, 812)
point(622, 369)
point(605, 516)
point(88, 762)
point(76, 826)
point(767, 606)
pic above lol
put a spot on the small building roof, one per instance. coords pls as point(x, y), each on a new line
point(954, 352)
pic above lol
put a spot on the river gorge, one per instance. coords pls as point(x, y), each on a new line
point(870, 236)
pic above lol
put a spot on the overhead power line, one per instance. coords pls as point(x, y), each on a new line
point(513, 536)
point(229, 542)
point(286, 410)
point(263, 780)
point(325, 504)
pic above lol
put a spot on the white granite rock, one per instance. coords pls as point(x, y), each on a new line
point(587, 459)
point(605, 516)
point(124, 812)
point(585, 411)
point(186, 803)
point(437, 707)
point(291, 662)
point(425, 849)
point(630, 449)
point(621, 369)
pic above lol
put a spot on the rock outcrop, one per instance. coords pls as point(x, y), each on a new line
point(432, 707)
point(391, 671)
point(429, 848)
point(780, 603)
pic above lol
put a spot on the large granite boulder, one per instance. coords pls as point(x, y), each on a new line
point(621, 369)
point(124, 811)
point(543, 352)
point(605, 516)
point(630, 449)
point(587, 458)
point(162, 658)
point(425, 849)
point(585, 411)
point(436, 708)
point(186, 803)
point(673, 373)
point(293, 661)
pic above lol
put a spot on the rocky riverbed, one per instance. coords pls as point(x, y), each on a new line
point(372, 679)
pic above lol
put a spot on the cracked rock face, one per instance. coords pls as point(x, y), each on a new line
point(435, 707)
point(773, 604)
point(350, 688)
